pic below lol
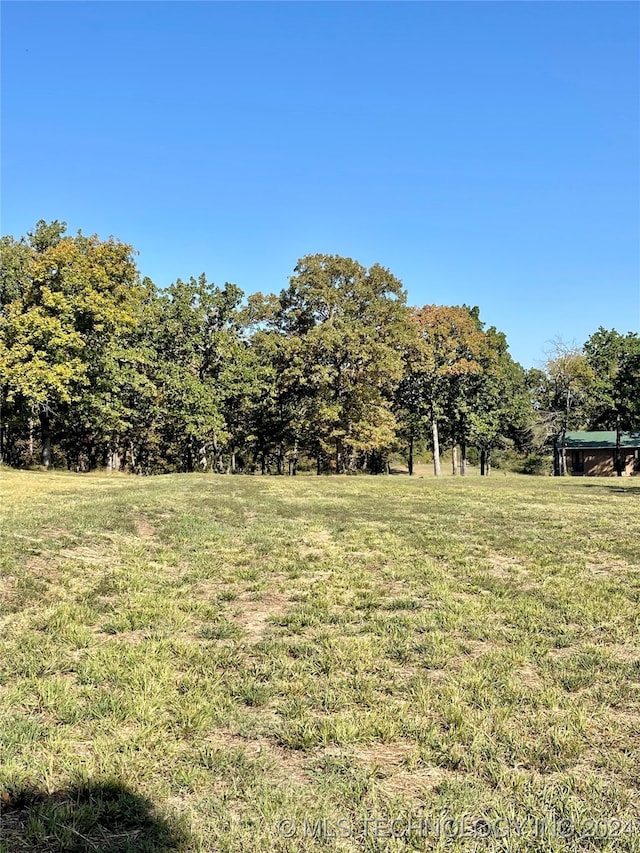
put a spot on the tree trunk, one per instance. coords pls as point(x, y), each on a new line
point(463, 458)
point(565, 427)
point(318, 463)
point(488, 461)
point(113, 460)
point(410, 461)
point(202, 458)
point(454, 460)
point(294, 460)
point(483, 459)
point(618, 453)
point(45, 437)
point(280, 461)
point(436, 447)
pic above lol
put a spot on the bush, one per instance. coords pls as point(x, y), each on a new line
point(536, 463)
point(473, 456)
point(507, 460)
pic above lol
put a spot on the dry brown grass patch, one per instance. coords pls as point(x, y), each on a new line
point(144, 528)
point(505, 568)
point(316, 543)
point(288, 764)
point(386, 757)
point(92, 554)
point(7, 584)
point(476, 648)
point(624, 652)
point(605, 564)
point(132, 638)
point(253, 614)
point(529, 677)
point(563, 653)
point(412, 785)
point(42, 566)
point(53, 532)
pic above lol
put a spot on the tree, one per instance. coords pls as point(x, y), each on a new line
point(568, 379)
point(196, 331)
point(66, 300)
point(442, 360)
point(345, 326)
point(501, 405)
point(614, 403)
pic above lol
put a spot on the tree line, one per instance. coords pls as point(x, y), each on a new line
point(99, 368)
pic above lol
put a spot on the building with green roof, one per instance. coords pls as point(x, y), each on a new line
point(593, 454)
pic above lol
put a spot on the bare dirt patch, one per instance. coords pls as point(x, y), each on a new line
point(211, 588)
point(413, 784)
point(316, 543)
point(39, 565)
point(289, 764)
point(605, 564)
point(144, 528)
point(476, 648)
point(563, 653)
point(625, 653)
point(53, 532)
point(504, 567)
point(391, 760)
point(388, 756)
point(132, 638)
point(529, 677)
point(7, 584)
point(436, 674)
point(91, 554)
point(395, 588)
point(253, 614)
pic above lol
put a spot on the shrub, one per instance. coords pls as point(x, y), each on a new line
point(536, 463)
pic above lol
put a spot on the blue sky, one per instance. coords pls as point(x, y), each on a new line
point(487, 153)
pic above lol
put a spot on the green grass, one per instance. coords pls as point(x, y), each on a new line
point(189, 661)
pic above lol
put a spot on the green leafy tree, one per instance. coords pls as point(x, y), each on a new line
point(196, 331)
point(444, 358)
point(615, 361)
point(67, 299)
point(563, 397)
point(615, 399)
point(346, 325)
point(501, 408)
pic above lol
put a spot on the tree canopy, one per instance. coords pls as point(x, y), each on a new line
point(101, 368)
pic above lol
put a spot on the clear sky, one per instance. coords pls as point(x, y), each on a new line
point(487, 153)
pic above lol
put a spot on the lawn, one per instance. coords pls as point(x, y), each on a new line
point(243, 663)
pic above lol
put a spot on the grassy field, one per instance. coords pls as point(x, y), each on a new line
point(270, 664)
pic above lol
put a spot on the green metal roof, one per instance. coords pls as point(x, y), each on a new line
point(602, 439)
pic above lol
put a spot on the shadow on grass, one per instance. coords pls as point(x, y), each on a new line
point(615, 487)
point(107, 817)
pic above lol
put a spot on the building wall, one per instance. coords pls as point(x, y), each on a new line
point(601, 463)
point(633, 463)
